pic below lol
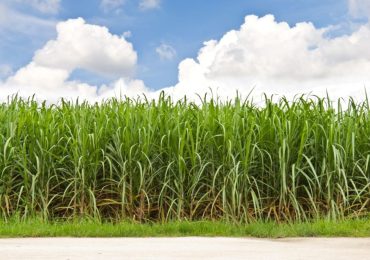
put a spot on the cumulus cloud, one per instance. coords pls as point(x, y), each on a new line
point(149, 4)
point(91, 47)
point(263, 55)
point(166, 52)
point(78, 46)
point(274, 58)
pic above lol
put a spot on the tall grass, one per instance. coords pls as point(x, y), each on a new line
point(164, 161)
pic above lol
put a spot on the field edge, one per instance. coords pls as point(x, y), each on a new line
point(86, 228)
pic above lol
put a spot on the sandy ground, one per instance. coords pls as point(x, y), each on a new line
point(184, 248)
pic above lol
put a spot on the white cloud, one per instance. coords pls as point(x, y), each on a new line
point(166, 52)
point(77, 46)
point(110, 5)
point(359, 8)
point(149, 4)
point(127, 34)
point(267, 56)
point(273, 57)
point(92, 47)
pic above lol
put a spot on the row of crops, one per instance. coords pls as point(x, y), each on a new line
point(163, 160)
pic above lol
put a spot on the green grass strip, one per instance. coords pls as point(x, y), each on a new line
point(35, 228)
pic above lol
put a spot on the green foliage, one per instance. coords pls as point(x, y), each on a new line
point(161, 161)
point(89, 228)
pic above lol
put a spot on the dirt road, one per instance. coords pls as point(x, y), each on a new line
point(184, 248)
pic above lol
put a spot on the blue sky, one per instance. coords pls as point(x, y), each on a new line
point(97, 49)
point(184, 25)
